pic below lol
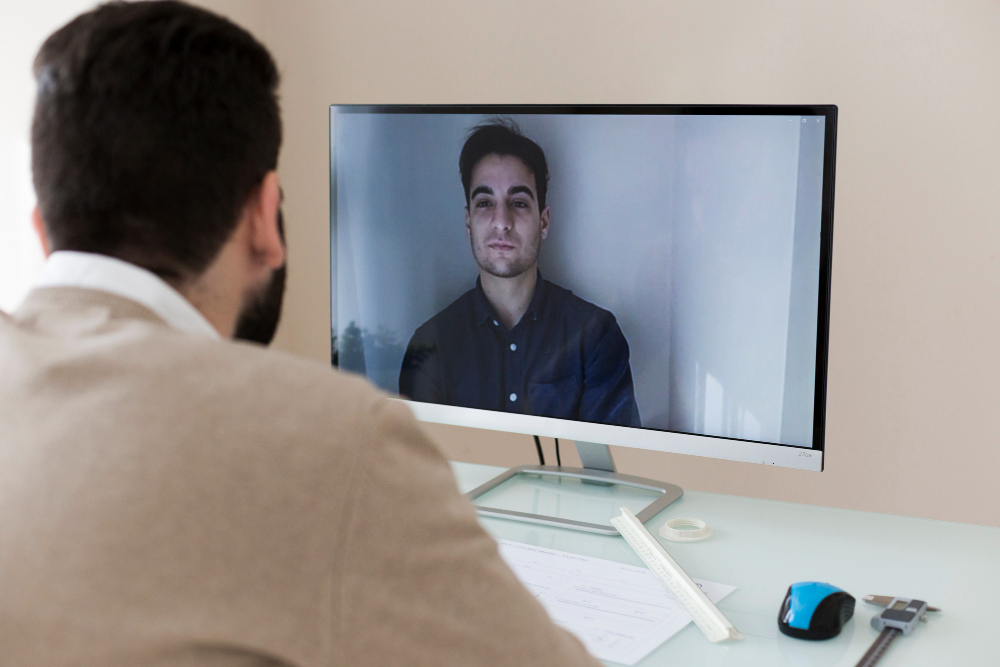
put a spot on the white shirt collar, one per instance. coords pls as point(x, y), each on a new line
point(68, 268)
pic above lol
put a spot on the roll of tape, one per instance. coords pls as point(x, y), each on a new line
point(685, 530)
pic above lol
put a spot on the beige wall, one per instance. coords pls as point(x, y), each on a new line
point(913, 391)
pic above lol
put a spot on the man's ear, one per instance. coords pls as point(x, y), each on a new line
point(545, 218)
point(264, 236)
point(39, 225)
point(468, 223)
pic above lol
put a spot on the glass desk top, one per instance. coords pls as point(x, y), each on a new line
point(762, 546)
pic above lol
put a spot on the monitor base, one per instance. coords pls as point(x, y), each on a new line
point(596, 471)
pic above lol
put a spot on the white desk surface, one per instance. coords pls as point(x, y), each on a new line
point(762, 546)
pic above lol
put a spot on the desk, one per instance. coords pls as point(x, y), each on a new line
point(762, 546)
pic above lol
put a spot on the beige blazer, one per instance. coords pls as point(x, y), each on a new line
point(167, 499)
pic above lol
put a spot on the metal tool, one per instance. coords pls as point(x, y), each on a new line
point(706, 615)
point(884, 600)
point(899, 617)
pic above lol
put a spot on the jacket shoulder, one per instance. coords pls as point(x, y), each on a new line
point(258, 374)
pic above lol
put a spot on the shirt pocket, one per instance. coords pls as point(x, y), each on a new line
point(560, 399)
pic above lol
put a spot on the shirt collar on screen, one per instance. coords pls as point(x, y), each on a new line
point(537, 299)
point(483, 311)
point(67, 268)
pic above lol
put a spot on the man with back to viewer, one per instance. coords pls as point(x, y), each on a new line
point(169, 497)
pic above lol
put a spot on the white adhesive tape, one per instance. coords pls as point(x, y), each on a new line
point(685, 530)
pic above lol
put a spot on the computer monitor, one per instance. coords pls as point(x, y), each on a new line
point(654, 277)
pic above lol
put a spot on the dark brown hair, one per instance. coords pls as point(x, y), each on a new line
point(502, 136)
point(154, 123)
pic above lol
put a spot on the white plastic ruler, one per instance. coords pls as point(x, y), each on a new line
point(705, 614)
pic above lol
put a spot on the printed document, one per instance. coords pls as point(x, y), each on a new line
point(620, 612)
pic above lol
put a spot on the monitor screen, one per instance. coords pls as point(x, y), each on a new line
point(652, 276)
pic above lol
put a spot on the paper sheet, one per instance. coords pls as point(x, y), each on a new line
point(620, 612)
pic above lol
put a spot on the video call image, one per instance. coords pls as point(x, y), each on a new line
point(648, 271)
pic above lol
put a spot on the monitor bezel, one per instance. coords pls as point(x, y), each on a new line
point(724, 447)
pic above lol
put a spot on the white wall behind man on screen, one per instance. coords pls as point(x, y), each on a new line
point(683, 228)
point(746, 223)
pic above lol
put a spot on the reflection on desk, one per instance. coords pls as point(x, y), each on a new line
point(762, 546)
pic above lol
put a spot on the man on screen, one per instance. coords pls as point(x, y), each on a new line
point(516, 342)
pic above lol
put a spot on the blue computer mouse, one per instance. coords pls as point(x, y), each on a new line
point(814, 610)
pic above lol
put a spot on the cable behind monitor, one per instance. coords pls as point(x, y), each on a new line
point(541, 456)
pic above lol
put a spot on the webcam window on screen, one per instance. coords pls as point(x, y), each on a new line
point(665, 275)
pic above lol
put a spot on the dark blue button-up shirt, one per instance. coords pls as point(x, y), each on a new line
point(565, 358)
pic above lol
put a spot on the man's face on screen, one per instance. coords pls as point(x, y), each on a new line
point(504, 223)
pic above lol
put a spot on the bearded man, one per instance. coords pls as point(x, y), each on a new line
point(517, 342)
point(174, 497)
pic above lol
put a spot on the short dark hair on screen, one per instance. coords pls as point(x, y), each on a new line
point(154, 123)
point(502, 136)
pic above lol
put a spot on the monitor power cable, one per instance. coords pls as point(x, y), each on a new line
point(538, 446)
point(541, 456)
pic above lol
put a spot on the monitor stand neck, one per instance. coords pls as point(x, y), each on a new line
point(594, 456)
point(599, 469)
